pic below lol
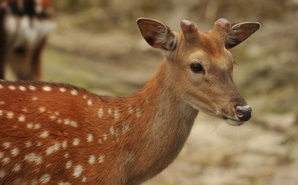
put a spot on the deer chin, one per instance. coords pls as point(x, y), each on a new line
point(218, 114)
point(233, 122)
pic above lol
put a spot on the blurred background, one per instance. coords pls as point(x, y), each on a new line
point(97, 46)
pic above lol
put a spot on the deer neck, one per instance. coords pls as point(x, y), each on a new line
point(168, 121)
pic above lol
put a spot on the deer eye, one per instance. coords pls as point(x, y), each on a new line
point(196, 68)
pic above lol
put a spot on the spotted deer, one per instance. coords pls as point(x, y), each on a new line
point(53, 133)
point(24, 28)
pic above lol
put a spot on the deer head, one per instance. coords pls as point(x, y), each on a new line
point(199, 65)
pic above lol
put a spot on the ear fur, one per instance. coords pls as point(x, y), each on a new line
point(157, 34)
point(240, 32)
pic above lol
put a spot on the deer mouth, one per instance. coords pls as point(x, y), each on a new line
point(233, 122)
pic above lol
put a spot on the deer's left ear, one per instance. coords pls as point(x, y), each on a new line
point(239, 32)
point(157, 34)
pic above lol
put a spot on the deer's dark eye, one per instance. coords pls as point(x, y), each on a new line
point(196, 68)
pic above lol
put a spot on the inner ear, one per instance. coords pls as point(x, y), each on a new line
point(157, 34)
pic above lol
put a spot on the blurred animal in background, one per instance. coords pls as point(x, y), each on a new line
point(24, 28)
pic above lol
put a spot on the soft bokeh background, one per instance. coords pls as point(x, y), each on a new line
point(97, 46)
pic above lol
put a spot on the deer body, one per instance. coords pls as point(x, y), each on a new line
point(59, 134)
point(24, 28)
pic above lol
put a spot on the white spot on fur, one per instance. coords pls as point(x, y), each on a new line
point(64, 183)
point(64, 144)
point(42, 109)
point(100, 112)
point(11, 87)
point(70, 122)
point(78, 169)
point(66, 121)
point(116, 114)
point(84, 179)
point(6, 145)
point(128, 157)
point(21, 118)
point(44, 134)
point(14, 152)
point(9, 115)
point(52, 117)
point(101, 158)
point(34, 98)
point(29, 125)
point(130, 109)
point(53, 148)
point(61, 89)
point(117, 134)
point(110, 111)
point(37, 126)
point(28, 144)
point(66, 155)
point(1, 155)
point(89, 102)
point(22, 88)
point(68, 164)
point(112, 131)
point(32, 157)
point(73, 123)
point(47, 88)
point(32, 88)
point(5, 161)
point(74, 92)
point(89, 138)
point(138, 112)
point(1, 86)
point(91, 159)
point(125, 127)
point(16, 167)
point(105, 137)
point(76, 142)
point(45, 178)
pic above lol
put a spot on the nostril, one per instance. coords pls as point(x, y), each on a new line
point(243, 112)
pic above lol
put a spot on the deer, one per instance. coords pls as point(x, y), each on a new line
point(55, 133)
point(24, 28)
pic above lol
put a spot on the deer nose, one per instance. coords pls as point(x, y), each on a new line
point(243, 113)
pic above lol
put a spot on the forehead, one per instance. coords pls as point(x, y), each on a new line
point(209, 42)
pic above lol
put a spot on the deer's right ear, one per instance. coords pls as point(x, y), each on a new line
point(157, 34)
